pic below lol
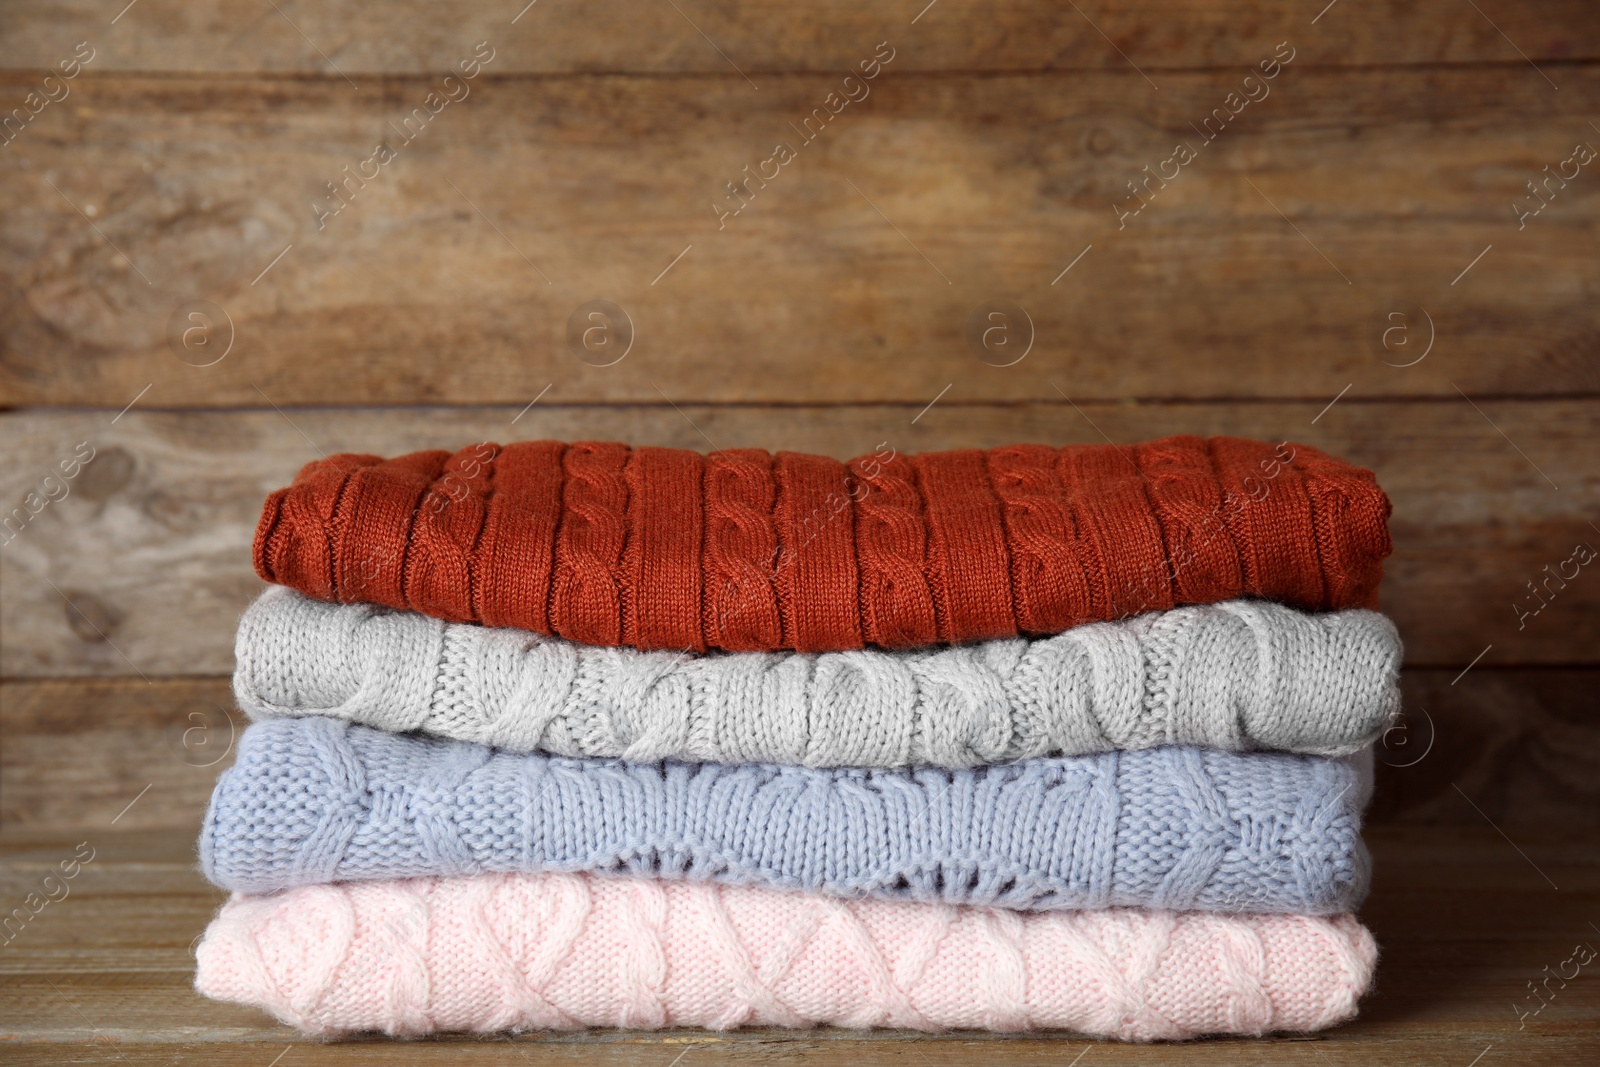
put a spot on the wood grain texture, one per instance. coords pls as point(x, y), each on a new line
point(1267, 268)
point(1500, 747)
point(1504, 747)
point(77, 755)
point(822, 318)
point(423, 35)
point(1464, 923)
point(152, 544)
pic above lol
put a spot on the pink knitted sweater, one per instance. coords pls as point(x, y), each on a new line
point(558, 951)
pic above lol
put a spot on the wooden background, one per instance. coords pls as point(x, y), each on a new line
point(1343, 265)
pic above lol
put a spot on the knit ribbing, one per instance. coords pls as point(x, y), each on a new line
point(1238, 675)
point(317, 799)
point(529, 952)
point(743, 551)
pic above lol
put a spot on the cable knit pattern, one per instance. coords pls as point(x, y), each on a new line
point(586, 602)
point(1239, 675)
point(600, 543)
point(896, 602)
point(1205, 567)
point(319, 800)
point(1048, 577)
point(493, 953)
point(741, 552)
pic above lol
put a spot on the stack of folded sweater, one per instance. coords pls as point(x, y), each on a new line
point(582, 735)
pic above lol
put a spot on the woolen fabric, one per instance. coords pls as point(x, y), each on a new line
point(320, 800)
point(745, 551)
point(1239, 675)
point(558, 951)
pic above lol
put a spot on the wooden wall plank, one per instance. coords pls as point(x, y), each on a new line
point(853, 276)
point(78, 755)
point(428, 35)
point(1523, 745)
point(153, 540)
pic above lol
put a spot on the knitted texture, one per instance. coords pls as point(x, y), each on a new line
point(1236, 675)
point(559, 951)
point(319, 800)
point(745, 551)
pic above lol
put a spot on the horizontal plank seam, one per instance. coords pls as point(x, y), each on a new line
point(423, 74)
point(1443, 399)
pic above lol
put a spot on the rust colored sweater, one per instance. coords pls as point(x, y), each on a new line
point(745, 551)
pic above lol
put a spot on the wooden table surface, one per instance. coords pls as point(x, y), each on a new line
point(1386, 249)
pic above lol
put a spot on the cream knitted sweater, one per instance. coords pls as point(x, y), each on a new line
point(490, 953)
point(1239, 675)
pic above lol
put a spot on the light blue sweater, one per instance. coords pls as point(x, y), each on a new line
point(318, 800)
